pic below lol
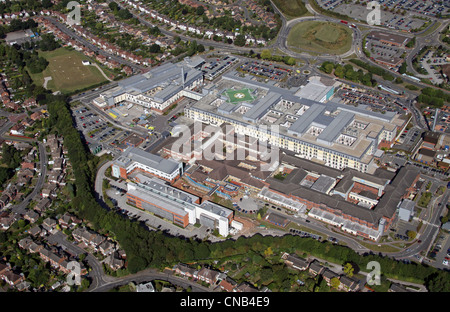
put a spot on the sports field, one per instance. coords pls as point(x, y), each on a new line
point(236, 96)
point(320, 37)
point(67, 71)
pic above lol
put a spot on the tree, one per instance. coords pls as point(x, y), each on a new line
point(5, 174)
point(291, 61)
point(438, 282)
point(200, 48)
point(402, 69)
point(335, 282)
point(412, 234)
point(113, 6)
point(266, 274)
point(155, 48)
point(348, 269)
point(327, 67)
point(268, 252)
point(155, 31)
point(200, 10)
point(239, 40)
point(124, 14)
point(266, 54)
point(339, 71)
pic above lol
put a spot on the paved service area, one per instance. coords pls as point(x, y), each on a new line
point(96, 130)
point(392, 18)
point(152, 221)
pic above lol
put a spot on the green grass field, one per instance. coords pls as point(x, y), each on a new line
point(67, 71)
point(235, 96)
point(291, 8)
point(320, 37)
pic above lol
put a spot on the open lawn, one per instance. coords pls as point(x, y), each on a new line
point(320, 37)
point(67, 71)
point(291, 8)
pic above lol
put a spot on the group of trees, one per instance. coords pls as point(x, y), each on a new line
point(8, 6)
point(433, 97)
point(267, 55)
point(190, 48)
point(47, 43)
point(348, 72)
point(375, 70)
point(26, 56)
point(11, 159)
point(120, 12)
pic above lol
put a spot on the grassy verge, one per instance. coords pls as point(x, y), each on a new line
point(291, 8)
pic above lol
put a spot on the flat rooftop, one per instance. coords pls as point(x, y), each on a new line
point(380, 35)
point(133, 154)
point(293, 121)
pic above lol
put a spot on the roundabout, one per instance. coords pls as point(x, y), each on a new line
point(320, 37)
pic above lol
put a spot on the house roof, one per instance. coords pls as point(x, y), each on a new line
point(209, 274)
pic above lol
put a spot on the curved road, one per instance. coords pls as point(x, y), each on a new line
point(148, 275)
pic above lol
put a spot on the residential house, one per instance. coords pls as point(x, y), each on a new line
point(35, 230)
point(295, 262)
point(36, 116)
point(67, 221)
point(4, 200)
point(397, 288)
point(29, 102)
point(34, 247)
point(114, 261)
point(6, 222)
point(49, 190)
point(56, 177)
point(328, 275)
point(348, 284)
point(57, 261)
point(3, 268)
point(25, 242)
point(11, 278)
point(184, 270)
point(31, 216)
point(106, 247)
point(27, 165)
point(245, 287)
point(315, 268)
point(207, 275)
point(88, 237)
point(49, 224)
point(146, 287)
point(17, 129)
point(42, 204)
point(227, 284)
point(58, 163)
